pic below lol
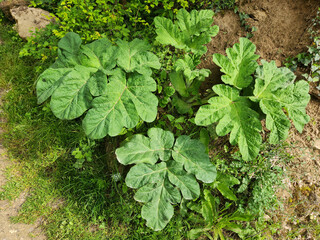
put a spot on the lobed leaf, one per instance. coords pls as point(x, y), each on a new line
point(142, 149)
point(276, 92)
point(160, 183)
point(159, 210)
point(190, 32)
point(127, 100)
point(239, 64)
point(85, 77)
point(192, 155)
point(234, 116)
point(134, 56)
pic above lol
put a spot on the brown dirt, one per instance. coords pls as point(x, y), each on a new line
point(281, 33)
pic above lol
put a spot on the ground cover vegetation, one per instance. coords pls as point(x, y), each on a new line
point(148, 95)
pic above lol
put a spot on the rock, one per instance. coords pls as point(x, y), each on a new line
point(6, 5)
point(30, 19)
point(317, 144)
point(278, 63)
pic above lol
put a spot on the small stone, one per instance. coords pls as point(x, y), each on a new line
point(317, 144)
point(278, 63)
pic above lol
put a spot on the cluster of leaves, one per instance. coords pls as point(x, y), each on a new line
point(189, 33)
point(42, 45)
point(182, 161)
point(83, 153)
point(217, 219)
point(255, 181)
point(114, 82)
point(272, 92)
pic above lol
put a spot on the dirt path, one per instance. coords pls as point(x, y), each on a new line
point(9, 230)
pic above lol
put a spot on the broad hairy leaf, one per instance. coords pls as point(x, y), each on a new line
point(234, 116)
point(190, 32)
point(276, 92)
point(127, 100)
point(192, 154)
point(134, 56)
point(113, 82)
point(161, 184)
point(143, 149)
point(239, 63)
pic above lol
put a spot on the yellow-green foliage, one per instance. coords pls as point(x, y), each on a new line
point(93, 19)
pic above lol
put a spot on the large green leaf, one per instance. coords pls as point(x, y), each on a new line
point(160, 183)
point(127, 100)
point(91, 77)
point(190, 32)
point(235, 116)
point(275, 91)
point(296, 103)
point(185, 182)
point(142, 149)
point(49, 81)
point(143, 174)
point(78, 74)
point(100, 54)
point(134, 56)
point(72, 97)
point(69, 47)
point(239, 64)
point(192, 154)
point(158, 210)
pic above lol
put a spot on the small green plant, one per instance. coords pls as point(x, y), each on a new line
point(42, 45)
point(223, 183)
point(243, 21)
point(113, 82)
point(272, 91)
point(83, 153)
point(182, 161)
point(217, 219)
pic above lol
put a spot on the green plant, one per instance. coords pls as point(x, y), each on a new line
point(243, 21)
point(83, 153)
point(190, 33)
point(258, 182)
point(217, 219)
point(240, 100)
point(42, 45)
point(182, 162)
point(113, 82)
point(223, 4)
point(223, 183)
